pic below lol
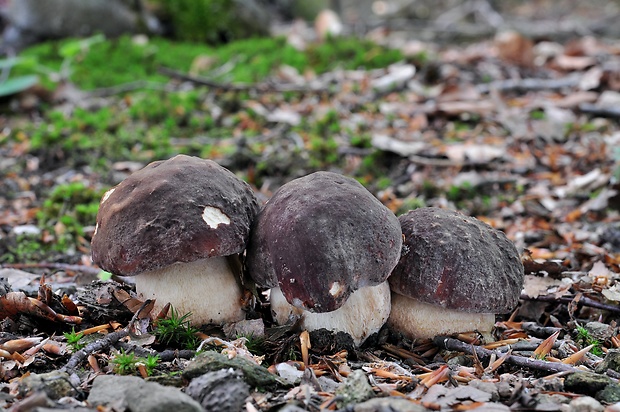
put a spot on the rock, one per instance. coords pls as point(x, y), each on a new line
point(137, 395)
point(506, 385)
point(289, 373)
point(550, 402)
point(255, 375)
point(54, 384)
point(586, 383)
point(254, 328)
point(222, 390)
point(611, 394)
point(488, 387)
point(585, 404)
point(611, 361)
point(444, 397)
point(491, 407)
point(290, 407)
point(599, 330)
point(389, 404)
point(355, 389)
point(31, 20)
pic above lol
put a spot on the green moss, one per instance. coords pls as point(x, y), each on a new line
point(350, 53)
point(122, 60)
point(211, 21)
point(66, 211)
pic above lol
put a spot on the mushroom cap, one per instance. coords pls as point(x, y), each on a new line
point(178, 210)
point(320, 238)
point(457, 262)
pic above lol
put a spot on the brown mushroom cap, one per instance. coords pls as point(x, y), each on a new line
point(457, 262)
point(178, 210)
point(321, 237)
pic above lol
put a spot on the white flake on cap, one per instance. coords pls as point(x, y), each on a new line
point(336, 289)
point(214, 217)
point(107, 194)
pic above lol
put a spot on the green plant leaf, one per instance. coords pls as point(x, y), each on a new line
point(17, 84)
point(72, 49)
point(17, 61)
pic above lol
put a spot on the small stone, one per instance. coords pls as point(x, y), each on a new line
point(611, 361)
point(289, 373)
point(255, 375)
point(585, 404)
point(488, 387)
point(586, 383)
point(460, 360)
point(389, 404)
point(505, 386)
point(222, 390)
point(355, 389)
point(54, 384)
point(546, 402)
point(135, 394)
point(611, 394)
point(599, 330)
point(29, 230)
point(492, 407)
point(291, 407)
point(254, 328)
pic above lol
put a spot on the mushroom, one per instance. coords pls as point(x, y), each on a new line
point(325, 246)
point(455, 274)
point(177, 226)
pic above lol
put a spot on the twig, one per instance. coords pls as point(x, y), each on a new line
point(165, 356)
point(58, 266)
point(585, 301)
point(588, 108)
point(529, 84)
point(523, 346)
point(128, 87)
point(433, 161)
point(259, 87)
point(551, 367)
point(535, 329)
point(101, 344)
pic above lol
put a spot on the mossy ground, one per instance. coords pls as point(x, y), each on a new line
point(162, 118)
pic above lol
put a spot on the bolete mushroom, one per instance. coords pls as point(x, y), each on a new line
point(175, 225)
point(325, 245)
point(455, 274)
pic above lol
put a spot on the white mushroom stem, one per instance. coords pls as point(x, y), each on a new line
point(363, 314)
point(207, 288)
point(420, 320)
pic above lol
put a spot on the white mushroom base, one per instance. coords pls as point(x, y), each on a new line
point(420, 320)
point(207, 288)
point(363, 314)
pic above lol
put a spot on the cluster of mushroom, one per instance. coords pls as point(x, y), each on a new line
point(332, 255)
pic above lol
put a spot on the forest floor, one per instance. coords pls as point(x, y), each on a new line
point(521, 134)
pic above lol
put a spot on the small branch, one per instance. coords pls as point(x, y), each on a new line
point(585, 301)
point(529, 84)
point(128, 87)
point(104, 343)
point(612, 112)
point(551, 367)
point(535, 329)
point(167, 355)
point(259, 87)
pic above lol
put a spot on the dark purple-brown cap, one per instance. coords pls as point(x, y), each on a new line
point(457, 262)
point(321, 237)
point(178, 210)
